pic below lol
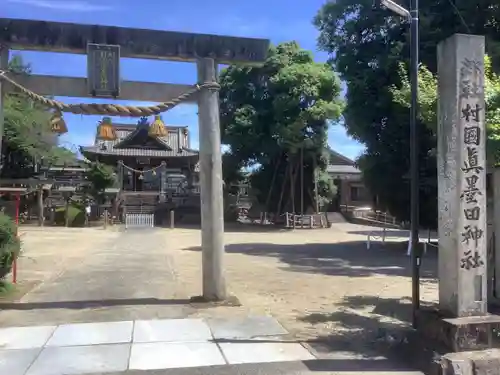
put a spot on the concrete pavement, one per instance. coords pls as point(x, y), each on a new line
point(255, 345)
point(129, 280)
point(128, 277)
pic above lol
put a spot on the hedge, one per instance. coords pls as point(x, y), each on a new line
point(10, 245)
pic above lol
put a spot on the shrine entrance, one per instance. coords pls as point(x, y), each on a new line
point(104, 46)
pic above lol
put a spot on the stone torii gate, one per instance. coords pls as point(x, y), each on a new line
point(104, 46)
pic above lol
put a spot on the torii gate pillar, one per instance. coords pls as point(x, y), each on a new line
point(212, 200)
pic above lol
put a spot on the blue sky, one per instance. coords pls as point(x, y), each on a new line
point(276, 20)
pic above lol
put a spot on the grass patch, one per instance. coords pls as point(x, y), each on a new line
point(6, 288)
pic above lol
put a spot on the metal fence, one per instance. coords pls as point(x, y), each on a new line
point(139, 220)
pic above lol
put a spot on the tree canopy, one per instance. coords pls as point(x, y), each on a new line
point(100, 176)
point(367, 47)
point(28, 138)
point(428, 100)
point(275, 115)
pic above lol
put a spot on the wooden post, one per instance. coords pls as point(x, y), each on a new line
point(212, 197)
point(41, 210)
point(105, 218)
point(120, 174)
point(66, 213)
point(52, 215)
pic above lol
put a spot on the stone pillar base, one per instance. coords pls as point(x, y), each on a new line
point(458, 334)
point(483, 362)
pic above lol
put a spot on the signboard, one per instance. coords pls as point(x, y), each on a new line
point(103, 66)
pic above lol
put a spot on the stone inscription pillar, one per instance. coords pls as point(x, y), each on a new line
point(462, 176)
point(496, 232)
point(4, 63)
point(212, 205)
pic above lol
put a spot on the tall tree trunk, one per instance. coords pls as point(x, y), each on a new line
point(271, 188)
point(283, 185)
point(292, 186)
point(310, 194)
point(302, 180)
point(316, 193)
point(294, 173)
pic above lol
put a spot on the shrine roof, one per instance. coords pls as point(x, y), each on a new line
point(138, 152)
point(132, 141)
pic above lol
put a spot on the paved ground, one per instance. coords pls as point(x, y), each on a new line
point(330, 292)
point(97, 276)
point(143, 345)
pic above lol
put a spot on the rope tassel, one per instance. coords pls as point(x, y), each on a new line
point(157, 128)
point(105, 130)
point(57, 123)
point(108, 109)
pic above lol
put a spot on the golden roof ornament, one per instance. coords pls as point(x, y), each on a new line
point(57, 123)
point(157, 128)
point(105, 130)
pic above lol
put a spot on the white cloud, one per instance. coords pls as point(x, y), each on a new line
point(72, 6)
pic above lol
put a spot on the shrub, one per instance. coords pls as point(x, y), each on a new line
point(76, 215)
point(10, 245)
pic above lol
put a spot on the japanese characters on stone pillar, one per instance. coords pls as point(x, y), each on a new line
point(462, 176)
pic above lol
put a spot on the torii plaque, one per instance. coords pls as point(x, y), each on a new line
point(103, 70)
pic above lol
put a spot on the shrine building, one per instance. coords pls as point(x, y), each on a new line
point(156, 169)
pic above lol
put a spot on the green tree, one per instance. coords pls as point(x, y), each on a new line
point(27, 135)
point(276, 115)
point(428, 98)
point(366, 46)
point(100, 176)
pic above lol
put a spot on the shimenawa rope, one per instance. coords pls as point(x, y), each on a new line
point(108, 109)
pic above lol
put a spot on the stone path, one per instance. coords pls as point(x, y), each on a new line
point(128, 277)
point(143, 345)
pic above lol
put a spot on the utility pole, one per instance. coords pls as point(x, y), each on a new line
point(412, 16)
point(415, 225)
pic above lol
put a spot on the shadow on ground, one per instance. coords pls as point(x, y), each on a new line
point(78, 305)
point(371, 327)
point(380, 232)
point(341, 259)
point(233, 227)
